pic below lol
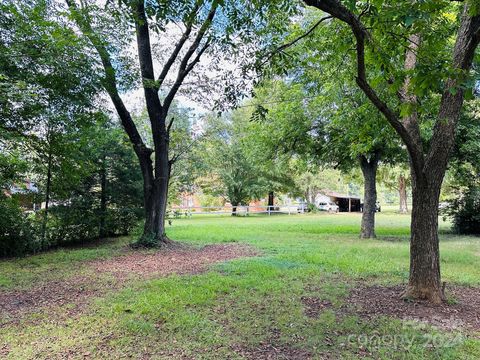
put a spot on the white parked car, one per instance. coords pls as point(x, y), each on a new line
point(327, 206)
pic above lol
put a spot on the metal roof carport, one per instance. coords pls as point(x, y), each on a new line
point(346, 203)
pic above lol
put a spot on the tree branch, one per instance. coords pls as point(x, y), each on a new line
point(291, 43)
point(467, 41)
point(173, 56)
point(143, 44)
point(110, 80)
point(410, 122)
point(169, 126)
point(183, 151)
point(339, 11)
point(154, 106)
point(197, 57)
point(185, 67)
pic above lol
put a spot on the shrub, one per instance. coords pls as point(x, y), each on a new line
point(79, 222)
point(122, 221)
point(465, 212)
point(16, 230)
point(71, 224)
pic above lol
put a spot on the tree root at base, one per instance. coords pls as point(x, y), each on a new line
point(152, 242)
point(432, 295)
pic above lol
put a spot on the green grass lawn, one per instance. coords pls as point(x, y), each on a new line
point(241, 306)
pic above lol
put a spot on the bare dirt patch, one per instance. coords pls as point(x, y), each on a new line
point(75, 291)
point(78, 291)
point(373, 301)
point(172, 261)
point(313, 306)
point(273, 349)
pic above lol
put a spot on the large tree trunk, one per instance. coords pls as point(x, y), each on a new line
point(402, 193)
point(156, 179)
point(311, 194)
point(308, 196)
point(154, 228)
point(156, 195)
point(162, 179)
point(369, 170)
point(424, 281)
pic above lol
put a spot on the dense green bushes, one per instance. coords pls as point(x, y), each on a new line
point(71, 224)
point(122, 221)
point(95, 191)
point(79, 219)
point(76, 222)
point(465, 212)
point(16, 231)
point(464, 209)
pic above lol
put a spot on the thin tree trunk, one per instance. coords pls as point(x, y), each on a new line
point(402, 193)
point(369, 170)
point(103, 199)
point(311, 195)
point(424, 281)
point(47, 195)
point(234, 208)
point(271, 200)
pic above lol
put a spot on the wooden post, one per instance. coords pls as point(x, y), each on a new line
point(349, 204)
